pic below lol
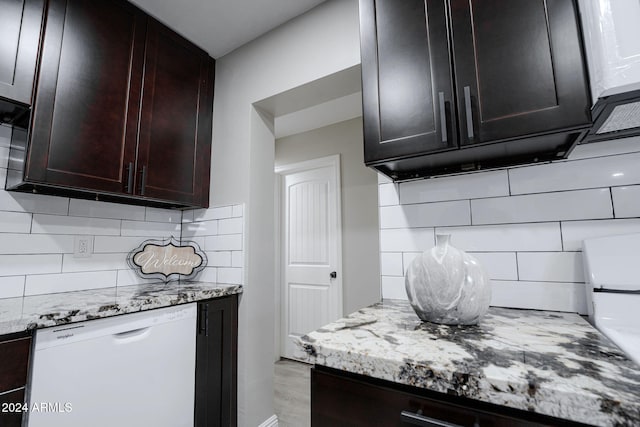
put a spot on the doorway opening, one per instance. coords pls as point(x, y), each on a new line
point(310, 247)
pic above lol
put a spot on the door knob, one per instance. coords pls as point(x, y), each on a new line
point(333, 274)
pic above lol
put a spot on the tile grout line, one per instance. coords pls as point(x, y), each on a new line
point(613, 206)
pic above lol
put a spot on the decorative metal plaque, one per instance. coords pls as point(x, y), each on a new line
point(167, 259)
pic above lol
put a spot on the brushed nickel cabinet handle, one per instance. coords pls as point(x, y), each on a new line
point(467, 108)
point(130, 178)
point(143, 180)
point(443, 116)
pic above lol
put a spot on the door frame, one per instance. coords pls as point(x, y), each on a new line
point(280, 171)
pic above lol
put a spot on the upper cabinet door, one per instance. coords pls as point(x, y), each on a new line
point(20, 25)
point(175, 125)
point(519, 68)
point(84, 125)
point(408, 101)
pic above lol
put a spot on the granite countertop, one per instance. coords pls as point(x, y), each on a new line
point(546, 362)
point(41, 311)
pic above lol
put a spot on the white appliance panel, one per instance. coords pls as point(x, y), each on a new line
point(611, 35)
point(612, 262)
point(130, 370)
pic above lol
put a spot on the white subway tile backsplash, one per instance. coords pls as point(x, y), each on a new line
point(5, 134)
point(187, 215)
point(551, 266)
point(574, 175)
point(219, 259)
point(425, 215)
point(237, 211)
point(5, 143)
point(128, 277)
point(406, 240)
point(118, 244)
point(15, 222)
point(499, 265)
point(97, 262)
point(213, 213)
point(199, 240)
point(626, 201)
point(162, 215)
point(468, 186)
point(388, 195)
point(231, 276)
point(606, 148)
point(4, 156)
point(505, 238)
point(237, 259)
point(96, 209)
point(393, 288)
point(55, 224)
point(30, 203)
point(391, 264)
point(229, 242)
point(569, 297)
point(35, 244)
point(383, 179)
point(12, 286)
point(230, 226)
point(66, 282)
point(565, 205)
point(143, 229)
point(208, 274)
point(574, 232)
point(17, 265)
point(407, 259)
point(201, 228)
point(37, 235)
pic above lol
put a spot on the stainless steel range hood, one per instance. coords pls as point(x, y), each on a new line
point(612, 40)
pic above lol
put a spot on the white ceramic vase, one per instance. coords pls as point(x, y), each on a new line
point(447, 285)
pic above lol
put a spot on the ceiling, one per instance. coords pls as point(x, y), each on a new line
point(220, 26)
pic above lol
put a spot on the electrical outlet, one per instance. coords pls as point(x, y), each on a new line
point(83, 246)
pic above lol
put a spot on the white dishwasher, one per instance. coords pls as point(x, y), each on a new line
point(129, 370)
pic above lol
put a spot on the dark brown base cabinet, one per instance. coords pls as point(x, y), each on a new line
point(217, 363)
point(122, 112)
point(348, 400)
point(14, 365)
point(459, 85)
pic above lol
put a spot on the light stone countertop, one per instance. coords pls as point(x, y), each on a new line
point(41, 311)
point(551, 363)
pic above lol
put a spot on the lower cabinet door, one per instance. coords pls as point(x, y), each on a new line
point(341, 399)
point(12, 408)
point(216, 363)
point(14, 364)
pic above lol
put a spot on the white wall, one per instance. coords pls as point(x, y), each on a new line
point(314, 45)
point(219, 232)
point(359, 191)
point(525, 224)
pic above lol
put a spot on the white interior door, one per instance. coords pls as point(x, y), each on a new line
point(311, 294)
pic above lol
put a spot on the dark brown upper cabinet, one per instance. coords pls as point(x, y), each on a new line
point(174, 145)
point(459, 85)
point(123, 110)
point(20, 26)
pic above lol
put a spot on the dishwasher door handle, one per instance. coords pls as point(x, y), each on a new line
point(132, 335)
point(420, 420)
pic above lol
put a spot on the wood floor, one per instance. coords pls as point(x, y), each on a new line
point(292, 393)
